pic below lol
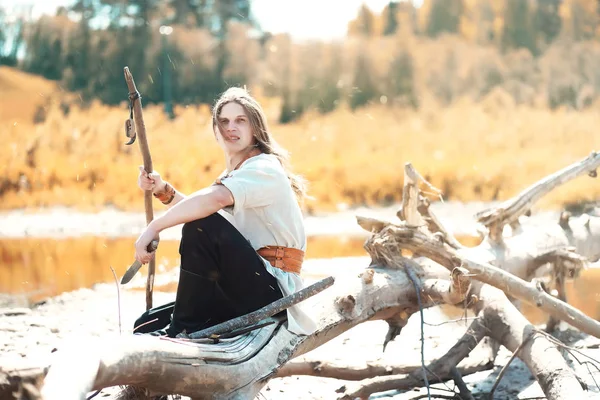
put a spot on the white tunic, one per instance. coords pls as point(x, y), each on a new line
point(266, 212)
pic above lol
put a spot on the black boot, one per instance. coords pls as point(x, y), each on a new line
point(155, 320)
point(197, 298)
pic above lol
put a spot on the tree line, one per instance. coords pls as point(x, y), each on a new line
point(210, 45)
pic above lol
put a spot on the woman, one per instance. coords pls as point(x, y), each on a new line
point(243, 238)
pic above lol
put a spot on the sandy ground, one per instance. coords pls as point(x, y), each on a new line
point(30, 335)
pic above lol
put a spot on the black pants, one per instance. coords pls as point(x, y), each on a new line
point(221, 277)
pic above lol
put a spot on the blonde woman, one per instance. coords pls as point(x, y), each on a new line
point(243, 237)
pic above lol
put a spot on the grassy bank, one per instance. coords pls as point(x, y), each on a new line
point(489, 150)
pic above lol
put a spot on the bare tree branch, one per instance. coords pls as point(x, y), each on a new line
point(511, 210)
point(391, 239)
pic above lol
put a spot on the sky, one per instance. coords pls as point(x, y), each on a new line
point(303, 19)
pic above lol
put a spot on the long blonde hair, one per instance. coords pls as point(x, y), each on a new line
point(264, 140)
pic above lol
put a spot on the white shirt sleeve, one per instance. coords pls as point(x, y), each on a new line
point(255, 184)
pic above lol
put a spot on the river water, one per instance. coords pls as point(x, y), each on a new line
point(47, 252)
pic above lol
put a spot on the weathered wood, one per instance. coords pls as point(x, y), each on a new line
point(435, 225)
point(138, 115)
point(499, 319)
point(371, 225)
point(389, 241)
point(583, 233)
point(415, 206)
point(20, 381)
point(337, 370)
point(495, 219)
point(465, 393)
point(161, 364)
point(545, 361)
point(156, 363)
point(438, 371)
point(410, 198)
point(559, 273)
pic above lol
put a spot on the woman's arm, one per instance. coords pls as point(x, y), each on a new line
point(195, 206)
point(178, 196)
point(153, 181)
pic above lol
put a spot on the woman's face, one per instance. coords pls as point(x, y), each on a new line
point(235, 134)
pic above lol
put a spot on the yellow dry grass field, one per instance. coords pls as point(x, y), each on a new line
point(76, 155)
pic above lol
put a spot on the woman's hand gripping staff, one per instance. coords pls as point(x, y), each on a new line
point(143, 253)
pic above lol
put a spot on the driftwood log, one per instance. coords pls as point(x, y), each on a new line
point(488, 278)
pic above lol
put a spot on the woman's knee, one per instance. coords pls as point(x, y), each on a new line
point(203, 233)
point(211, 223)
point(214, 228)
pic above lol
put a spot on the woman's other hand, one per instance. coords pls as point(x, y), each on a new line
point(141, 245)
point(151, 181)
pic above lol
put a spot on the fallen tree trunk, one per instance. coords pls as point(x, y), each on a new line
point(325, 369)
point(389, 290)
point(500, 320)
point(545, 361)
point(179, 366)
point(400, 237)
point(437, 371)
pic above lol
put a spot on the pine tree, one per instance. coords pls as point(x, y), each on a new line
point(583, 22)
point(444, 16)
point(390, 13)
point(363, 88)
point(329, 91)
point(547, 19)
point(364, 24)
point(78, 48)
point(401, 80)
point(44, 51)
point(518, 31)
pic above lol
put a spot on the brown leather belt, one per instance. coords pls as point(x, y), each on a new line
point(285, 258)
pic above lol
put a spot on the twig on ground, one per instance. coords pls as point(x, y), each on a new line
point(587, 366)
point(465, 393)
point(505, 367)
point(118, 297)
point(588, 346)
point(572, 350)
point(567, 347)
point(439, 378)
point(436, 396)
point(451, 321)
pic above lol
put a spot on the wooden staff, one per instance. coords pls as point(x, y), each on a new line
point(135, 114)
